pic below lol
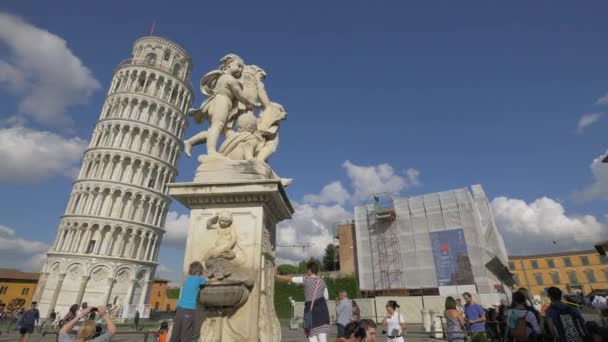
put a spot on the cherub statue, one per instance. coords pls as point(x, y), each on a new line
point(245, 142)
point(271, 114)
point(215, 258)
point(225, 92)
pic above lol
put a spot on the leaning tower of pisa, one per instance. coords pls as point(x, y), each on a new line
point(108, 239)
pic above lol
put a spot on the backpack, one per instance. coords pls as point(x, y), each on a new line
point(520, 332)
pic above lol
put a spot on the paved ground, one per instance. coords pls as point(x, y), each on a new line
point(288, 336)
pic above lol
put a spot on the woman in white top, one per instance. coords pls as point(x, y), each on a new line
point(394, 323)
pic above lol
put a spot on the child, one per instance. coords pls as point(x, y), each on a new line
point(186, 306)
point(163, 332)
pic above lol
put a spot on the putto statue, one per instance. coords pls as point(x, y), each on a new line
point(233, 91)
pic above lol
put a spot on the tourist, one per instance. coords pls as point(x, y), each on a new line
point(454, 321)
point(27, 322)
point(315, 297)
point(185, 315)
point(356, 312)
point(88, 328)
point(70, 315)
point(476, 317)
point(136, 320)
point(370, 329)
point(52, 317)
point(353, 332)
point(394, 323)
point(565, 322)
point(522, 324)
point(163, 332)
point(343, 313)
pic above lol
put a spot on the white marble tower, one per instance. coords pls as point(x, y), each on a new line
point(108, 239)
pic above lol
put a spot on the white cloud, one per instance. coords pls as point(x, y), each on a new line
point(21, 253)
point(598, 189)
point(176, 229)
point(311, 224)
point(368, 180)
point(333, 192)
point(588, 120)
point(602, 100)
point(28, 155)
point(543, 226)
point(42, 72)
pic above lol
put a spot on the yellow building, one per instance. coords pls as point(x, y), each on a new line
point(571, 271)
point(16, 287)
point(162, 296)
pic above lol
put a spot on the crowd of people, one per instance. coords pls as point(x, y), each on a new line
point(518, 322)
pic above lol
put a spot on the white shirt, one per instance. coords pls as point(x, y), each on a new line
point(300, 280)
point(393, 323)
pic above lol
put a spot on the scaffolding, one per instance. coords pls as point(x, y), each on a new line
point(428, 244)
point(385, 250)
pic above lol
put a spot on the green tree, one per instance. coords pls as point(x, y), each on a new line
point(288, 269)
point(331, 258)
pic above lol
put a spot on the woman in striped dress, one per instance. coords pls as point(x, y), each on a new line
point(315, 290)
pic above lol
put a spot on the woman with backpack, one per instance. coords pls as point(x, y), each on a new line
point(522, 325)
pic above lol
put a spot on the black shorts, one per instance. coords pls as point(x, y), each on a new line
point(26, 330)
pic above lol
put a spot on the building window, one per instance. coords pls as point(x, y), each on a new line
point(168, 307)
point(3, 289)
point(603, 259)
point(572, 277)
point(512, 265)
point(585, 260)
point(156, 306)
point(90, 247)
point(550, 263)
point(534, 264)
point(567, 262)
point(590, 276)
point(554, 278)
point(606, 275)
point(539, 278)
point(24, 291)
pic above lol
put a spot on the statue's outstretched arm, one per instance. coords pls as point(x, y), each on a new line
point(235, 88)
point(212, 220)
point(263, 96)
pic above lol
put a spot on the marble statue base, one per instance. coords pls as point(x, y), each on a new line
point(240, 306)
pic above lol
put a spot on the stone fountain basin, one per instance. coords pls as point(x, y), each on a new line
point(225, 294)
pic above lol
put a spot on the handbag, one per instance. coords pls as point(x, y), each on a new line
point(308, 315)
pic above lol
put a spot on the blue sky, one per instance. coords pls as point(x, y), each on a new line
point(506, 95)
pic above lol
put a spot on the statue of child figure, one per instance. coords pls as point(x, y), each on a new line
point(220, 108)
point(215, 258)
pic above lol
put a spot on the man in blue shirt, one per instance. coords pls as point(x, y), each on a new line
point(476, 317)
point(185, 316)
point(343, 312)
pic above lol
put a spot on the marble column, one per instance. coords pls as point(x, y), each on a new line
point(109, 291)
point(40, 287)
point(130, 292)
point(83, 286)
point(53, 302)
point(144, 293)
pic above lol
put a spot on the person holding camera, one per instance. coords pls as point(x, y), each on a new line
point(88, 328)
